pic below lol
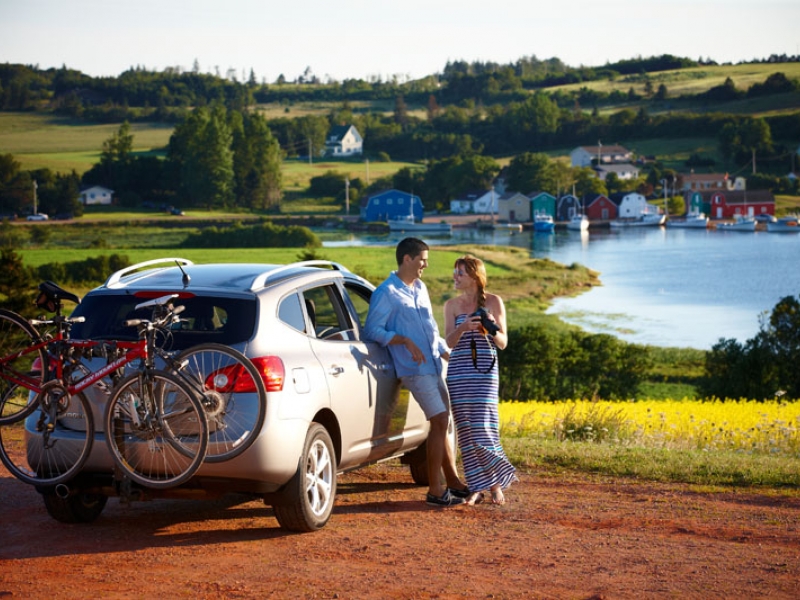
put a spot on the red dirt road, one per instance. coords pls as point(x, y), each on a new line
point(557, 537)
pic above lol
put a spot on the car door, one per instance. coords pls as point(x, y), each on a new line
point(361, 382)
point(399, 421)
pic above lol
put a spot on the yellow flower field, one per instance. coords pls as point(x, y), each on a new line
point(748, 426)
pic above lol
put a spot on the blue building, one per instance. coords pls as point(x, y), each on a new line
point(391, 204)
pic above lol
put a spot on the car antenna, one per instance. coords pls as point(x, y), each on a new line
point(186, 279)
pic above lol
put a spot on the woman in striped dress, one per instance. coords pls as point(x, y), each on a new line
point(472, 379)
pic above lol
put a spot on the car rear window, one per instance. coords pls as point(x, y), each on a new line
point(205, 319)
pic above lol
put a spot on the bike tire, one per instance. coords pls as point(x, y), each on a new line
point(233, 395)
point(51, 444)
point(162, 449)
point(16, 335)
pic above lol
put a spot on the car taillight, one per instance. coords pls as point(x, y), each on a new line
point(232, 378)
point(272, 372)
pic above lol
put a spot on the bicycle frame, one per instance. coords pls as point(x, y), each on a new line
point(134, 350)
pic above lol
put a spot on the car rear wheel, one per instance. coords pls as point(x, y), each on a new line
point(309, 495)
point(78, 507)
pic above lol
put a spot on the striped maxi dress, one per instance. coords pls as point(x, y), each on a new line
point(473, 387)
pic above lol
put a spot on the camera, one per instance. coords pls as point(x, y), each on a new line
point(489, 325)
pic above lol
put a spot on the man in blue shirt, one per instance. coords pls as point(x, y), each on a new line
point(401, 318)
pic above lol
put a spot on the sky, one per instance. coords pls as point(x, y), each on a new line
point(368, 39)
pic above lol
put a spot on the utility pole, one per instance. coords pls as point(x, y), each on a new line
point(35, 187)
point(346, 196)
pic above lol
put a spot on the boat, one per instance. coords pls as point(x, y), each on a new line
point(693, 220)
point(578, 223)
point(543, 223)
point(505, 226)
point(407, 223)
point(739, 223)
point(643, 220)
point(787, 224)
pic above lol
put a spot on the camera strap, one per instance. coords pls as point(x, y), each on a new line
point(474, 348)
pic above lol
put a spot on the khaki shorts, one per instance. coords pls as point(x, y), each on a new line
point(430, 392)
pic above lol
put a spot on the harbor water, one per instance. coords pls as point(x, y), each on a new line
point(660, 286)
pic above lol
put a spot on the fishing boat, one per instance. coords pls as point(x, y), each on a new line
point(578, 223)
point(787, 224)
point(693, 220)
point(739, 223)
point(543, 223)
point(407, 224)
point(643, 220)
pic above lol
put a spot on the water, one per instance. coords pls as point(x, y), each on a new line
point(665, 287)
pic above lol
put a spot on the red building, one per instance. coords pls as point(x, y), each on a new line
point(726, 204)
point(600, 208)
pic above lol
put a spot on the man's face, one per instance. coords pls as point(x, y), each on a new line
point(415, 266)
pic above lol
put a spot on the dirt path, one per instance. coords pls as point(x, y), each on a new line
point(566, 537)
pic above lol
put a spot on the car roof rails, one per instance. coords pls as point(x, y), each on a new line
point(115, 278)
point(262, 280)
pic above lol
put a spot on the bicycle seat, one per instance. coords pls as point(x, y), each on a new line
point(51, 295)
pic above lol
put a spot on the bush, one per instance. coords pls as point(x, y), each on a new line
point(262, 235)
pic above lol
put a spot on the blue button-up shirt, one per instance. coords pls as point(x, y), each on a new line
point(400, 309)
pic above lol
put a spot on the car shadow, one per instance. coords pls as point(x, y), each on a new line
point(29, 532)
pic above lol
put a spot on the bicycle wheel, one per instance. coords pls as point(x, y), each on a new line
point(52, 443)
point(16, 335)
point(156, 430)
point(232, 393)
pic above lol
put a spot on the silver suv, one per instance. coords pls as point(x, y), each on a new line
point(333, 402)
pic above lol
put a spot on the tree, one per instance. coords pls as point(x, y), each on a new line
point(16, 282)
point(532, 172)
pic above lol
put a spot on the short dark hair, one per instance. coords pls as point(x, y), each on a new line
point(411, 246)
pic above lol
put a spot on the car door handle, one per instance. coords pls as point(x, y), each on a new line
point(336, 371)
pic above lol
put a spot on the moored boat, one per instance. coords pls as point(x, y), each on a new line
point(506, 226)
point(739, 223)
point(543, 223)
point(578, 223)
point(695, 220)
point(787, 224)
point(643, 220)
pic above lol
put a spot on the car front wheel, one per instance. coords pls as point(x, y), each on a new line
point(309, 495)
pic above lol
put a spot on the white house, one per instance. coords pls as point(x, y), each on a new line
point(476, 202)
point(582, 156)
point(97, 194)
point(622, 170)
point(344, 140)
point(632, 204)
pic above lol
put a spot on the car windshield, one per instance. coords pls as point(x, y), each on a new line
point(205, 319)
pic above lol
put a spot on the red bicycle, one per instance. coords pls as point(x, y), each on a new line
point(156, 427)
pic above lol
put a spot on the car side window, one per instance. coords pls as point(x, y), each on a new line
point(359, 296)
point(291, 313)
point(327, 314)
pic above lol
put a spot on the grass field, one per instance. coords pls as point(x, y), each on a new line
point(41, 140)
point(685, 82)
